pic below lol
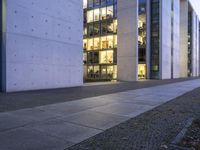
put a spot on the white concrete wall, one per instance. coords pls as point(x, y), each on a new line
point(195, 44)
point(43, 44)
point(176, 39)
point(127, 51)
point(165, 44)
point(183, 38)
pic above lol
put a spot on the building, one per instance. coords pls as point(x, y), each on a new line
point(100, 39)
point(155, 39)
point(41, 44)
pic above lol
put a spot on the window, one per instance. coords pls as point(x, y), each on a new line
point(96, 28)
point(110, 27)
point(90, 3)
point(96, 3)
point(84, 4)
point(104, 42)
point(115, 41)
point(110, 41)
point(96, 72)
point(96, 43)
point(109, 12)
point(90, 16)
point(96, 57)
point(90, 29)
point(85, 58)
point(89, 58)
point(85, 44)
point(109, 2)
point(96, 15)
point(103, 27)
point(85, 31)
point(90, 44)
point(103, 13)
point(103, 2)
point(115, 26)
point(106, 57)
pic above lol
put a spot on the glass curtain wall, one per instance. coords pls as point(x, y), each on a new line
point(154, 61)
point(142, 40)
point(100, 39)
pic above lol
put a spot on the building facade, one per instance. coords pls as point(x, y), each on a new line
point(100, 39)
point(155, 39)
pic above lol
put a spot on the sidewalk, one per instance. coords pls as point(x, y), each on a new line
point(61, 125)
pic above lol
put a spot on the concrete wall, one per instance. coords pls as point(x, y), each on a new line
point(183, 37)
point(176, 39)
point(195, 44)
point(127, 51)
point(43, 44)
point(165, 38)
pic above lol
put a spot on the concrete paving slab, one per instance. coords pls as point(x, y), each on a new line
point(10, 121)
point(123, 109)
point(62, 109)
point(95, 119)
point(35, 114)
point(64, 130)
point(27, 139)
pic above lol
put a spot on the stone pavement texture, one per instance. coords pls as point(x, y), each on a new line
point(62, 125)
point(20, 100)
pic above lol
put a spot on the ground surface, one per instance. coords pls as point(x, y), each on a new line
point(153, 130)
point(192, 136)
point(20, 100)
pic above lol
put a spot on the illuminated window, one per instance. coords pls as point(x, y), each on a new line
point(96, 15)
point(115, 41)
point(84, 4)
point(96, 43)
point(96, 28)
point(103, 13)
point(90, 44)
point(109, 12)
point(115, 26)
point(85, 44)
point(110, 41)
point(90, 16)
point(85, 58)
point(104, 43)
point(96, 72)
point(110, 27)
point(106, 57)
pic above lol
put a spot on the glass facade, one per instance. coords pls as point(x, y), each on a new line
point(142, 40)
point(100, 39)
point(155, 34)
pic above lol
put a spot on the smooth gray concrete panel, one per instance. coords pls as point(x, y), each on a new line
point(27, 139)
point(123, 109)
point(43, 44)
point(10, 121)
point(97, 120)
point(64, 130)
point(127, 51)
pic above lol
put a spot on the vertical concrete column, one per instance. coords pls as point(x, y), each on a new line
point(195, 42)
point(148, 40)
point(127, 55)
point(198, 60)
point(165, 39)
point(183, 37)
point(176, 39)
